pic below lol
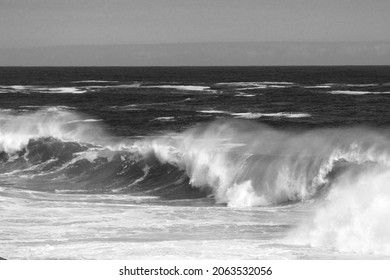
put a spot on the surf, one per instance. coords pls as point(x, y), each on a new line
point(342, 172)
point(240, 162)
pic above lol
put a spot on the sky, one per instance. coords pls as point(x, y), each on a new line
point(32, 24)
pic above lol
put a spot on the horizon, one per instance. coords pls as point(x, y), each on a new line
point(202, 54)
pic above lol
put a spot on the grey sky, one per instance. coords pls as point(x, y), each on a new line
point(35, 23)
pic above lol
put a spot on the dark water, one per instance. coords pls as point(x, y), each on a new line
point(278, 141)
point(325, 108)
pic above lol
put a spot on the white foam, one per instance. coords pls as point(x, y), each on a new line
point(241, 94)
point(85, 120)
point(236, 83)
point(248, 115)
point(135, 85)
point(354, 218)
point(361, 85)
point(181, 87)
point(131, 107)
point(255, 87)
point(354, 92)
point(319, 86)
point(350, 92)
point(277, 86)
point(43, 89)
point(72, 90)
point(17, 87)
point(276, 115)
point(277, 83)
point(213, 112)
point(244, 84)
point(94, 81)
point(164, 119)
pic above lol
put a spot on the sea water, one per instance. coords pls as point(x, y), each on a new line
point(195, 163)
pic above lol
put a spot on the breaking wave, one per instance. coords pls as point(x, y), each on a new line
point(343, 172)
point(240, 162)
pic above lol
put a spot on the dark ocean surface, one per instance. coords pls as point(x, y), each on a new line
point(194, 162)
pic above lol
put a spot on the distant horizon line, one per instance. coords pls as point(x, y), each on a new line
point(207, 54)
point(198, 42)
point(200, 66)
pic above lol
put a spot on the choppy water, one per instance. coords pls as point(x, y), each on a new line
point(229, 162)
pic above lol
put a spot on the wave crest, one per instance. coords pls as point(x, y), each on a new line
point(16, 129)
point(247, 164)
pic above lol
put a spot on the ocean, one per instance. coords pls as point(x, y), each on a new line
point(195, 163)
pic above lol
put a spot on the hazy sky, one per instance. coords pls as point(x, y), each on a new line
point(25, 23)
point(35, 23)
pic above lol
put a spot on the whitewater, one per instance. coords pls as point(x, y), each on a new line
point(194, 170)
